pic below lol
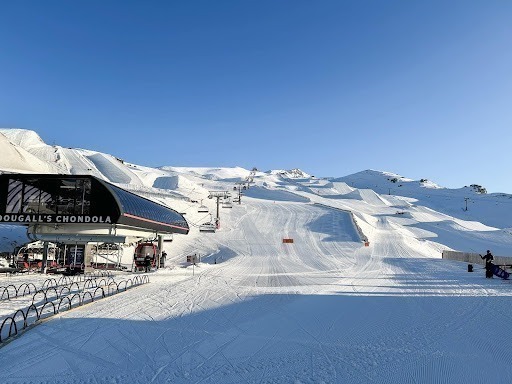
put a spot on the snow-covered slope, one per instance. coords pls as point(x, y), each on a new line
point(370, 195)
point(324, 308)
point(16, 158)
point(464, 203)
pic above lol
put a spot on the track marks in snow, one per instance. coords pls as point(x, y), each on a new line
point(315, 311)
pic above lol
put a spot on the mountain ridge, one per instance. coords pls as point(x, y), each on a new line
point(25, 151)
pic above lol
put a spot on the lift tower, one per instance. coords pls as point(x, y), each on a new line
point(218, 195)
point(239, 186)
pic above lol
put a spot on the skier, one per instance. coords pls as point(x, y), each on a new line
point(147, 262)
point(489, 258)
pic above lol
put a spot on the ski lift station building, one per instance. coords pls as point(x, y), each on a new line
point(81, 209)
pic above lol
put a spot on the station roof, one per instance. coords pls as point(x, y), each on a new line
point(83, 200)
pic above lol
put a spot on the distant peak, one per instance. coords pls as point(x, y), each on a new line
point(294, 173)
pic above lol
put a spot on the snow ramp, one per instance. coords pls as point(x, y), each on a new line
point(371, 197)
point(342, 187)
point(274, 194)
point(76, 162)
point(368, 196)
point(113, 172)
point(166, 182)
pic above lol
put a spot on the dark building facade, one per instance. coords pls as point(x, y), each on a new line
point(81, 202)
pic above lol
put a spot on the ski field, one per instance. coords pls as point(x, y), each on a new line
point(255, 192)
point(324, 308)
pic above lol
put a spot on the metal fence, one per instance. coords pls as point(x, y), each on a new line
point(53, 298)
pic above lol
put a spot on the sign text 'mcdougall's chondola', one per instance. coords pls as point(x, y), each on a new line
point(58, 219)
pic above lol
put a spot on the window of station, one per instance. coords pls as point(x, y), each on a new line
point(33, 197)
point(57, 196)
point(73, 197)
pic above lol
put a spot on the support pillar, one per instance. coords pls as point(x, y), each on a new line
point(160, 248)
point(88, 260)
point(45, 257)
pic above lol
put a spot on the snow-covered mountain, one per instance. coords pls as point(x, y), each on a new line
point(466, 203)
point(421, 208)
point(326, 308)
point(291, 174)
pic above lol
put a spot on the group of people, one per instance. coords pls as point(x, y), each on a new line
point(148, 261)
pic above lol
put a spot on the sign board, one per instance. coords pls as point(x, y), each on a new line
point(287, 240)
point(55, 219)
point(192, 259)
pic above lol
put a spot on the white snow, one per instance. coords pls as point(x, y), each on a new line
point(323, 309)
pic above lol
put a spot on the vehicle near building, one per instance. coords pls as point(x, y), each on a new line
point(141, 251)
point(30, 256)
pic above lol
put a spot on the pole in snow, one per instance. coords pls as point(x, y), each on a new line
point(45, 257)
point(218, 195)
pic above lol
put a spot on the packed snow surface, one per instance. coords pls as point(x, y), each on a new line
point(323, 309)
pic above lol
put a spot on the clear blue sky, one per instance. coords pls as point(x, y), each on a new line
point(419, 88)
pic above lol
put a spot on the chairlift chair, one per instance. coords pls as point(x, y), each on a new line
point(207, 227)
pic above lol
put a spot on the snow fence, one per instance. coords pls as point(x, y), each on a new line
point(474, 258)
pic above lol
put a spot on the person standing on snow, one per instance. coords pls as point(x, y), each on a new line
point(489, 258)
point(147, 262)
